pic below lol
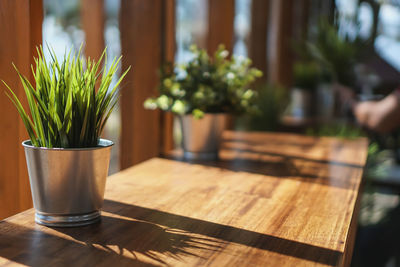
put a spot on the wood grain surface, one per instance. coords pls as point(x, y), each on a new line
point(271, 200)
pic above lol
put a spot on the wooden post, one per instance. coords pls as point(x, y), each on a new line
point(258, 35)
point(279, 42)
point(221, 15)
point(141, 39)
point(21, 23)
point(92, 17)
point(36, 21)
point(301, 12)
point(168, 52)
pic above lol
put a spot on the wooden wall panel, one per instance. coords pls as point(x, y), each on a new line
point(93, 18)
point(35, 40)
point(279, 42)
point(301, 13)
point(21, 22)
point(221, 15)
point(140, 25)
point(36, 21)
point(168, 52)
point(258, 35)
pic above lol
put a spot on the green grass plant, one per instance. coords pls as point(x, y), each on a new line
point(65, 108)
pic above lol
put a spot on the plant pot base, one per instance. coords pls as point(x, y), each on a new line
point(200, 155)
point(67, 220)
point(201, 137)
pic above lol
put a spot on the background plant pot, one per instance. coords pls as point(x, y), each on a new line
point(325, 101)
point(300, 103)
point(201, 137)
point(67, 184)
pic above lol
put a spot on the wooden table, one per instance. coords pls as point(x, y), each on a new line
point(272, 200)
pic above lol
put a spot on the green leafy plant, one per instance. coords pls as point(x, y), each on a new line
point(306, 75)
point(66, 110)
point(207, 85)
point(337, 54)
point(272, 100)
point(339, 129)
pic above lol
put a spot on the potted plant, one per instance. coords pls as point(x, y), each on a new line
point(202, 92)
point(339, 55)
point(306, 78)
point(66, 158)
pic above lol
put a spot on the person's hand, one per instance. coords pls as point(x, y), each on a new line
point(381, 116)
point(362, 111)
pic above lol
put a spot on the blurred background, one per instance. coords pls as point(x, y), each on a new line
point(354, 43)
point(318, 57)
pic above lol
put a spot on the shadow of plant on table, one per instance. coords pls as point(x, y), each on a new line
point(286, 160)
point(143, 241)
point(285, 167)
point(220, 237)
point(29, 245)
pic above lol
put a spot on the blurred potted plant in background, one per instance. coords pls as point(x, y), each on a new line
point(306, 76)
point(202, 92)
point(66, 158)
point(328, 60)
point(338, 56)
point(271, 101)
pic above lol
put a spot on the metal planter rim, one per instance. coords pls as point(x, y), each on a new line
point(102, 143)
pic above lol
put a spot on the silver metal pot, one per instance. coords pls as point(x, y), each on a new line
point(67, 184)
point(201, 137)
point(301, 101)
